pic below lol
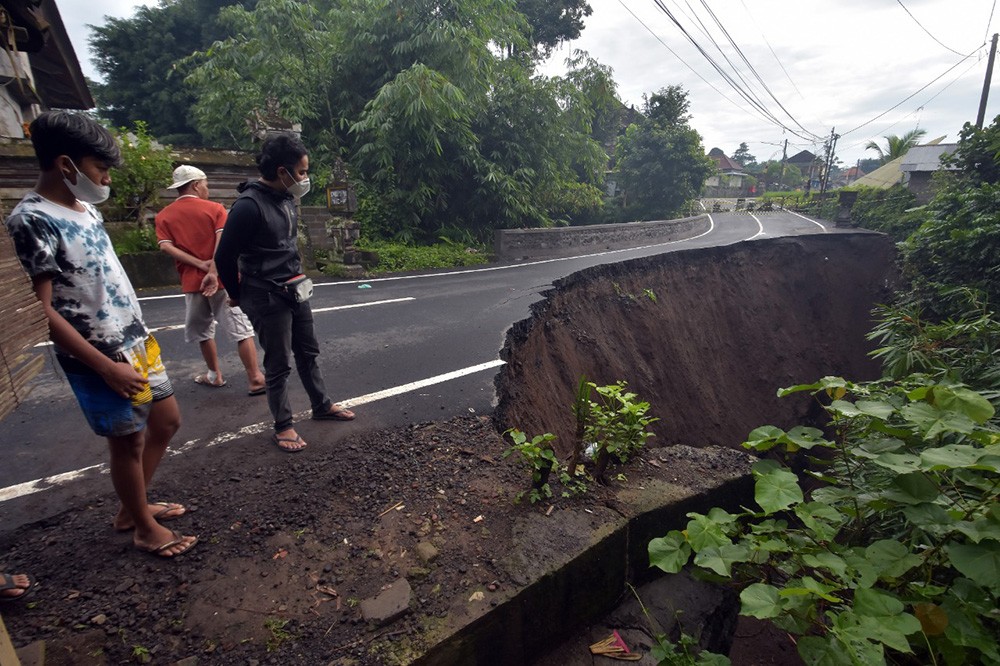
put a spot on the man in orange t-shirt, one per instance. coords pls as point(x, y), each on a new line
point(188, 230)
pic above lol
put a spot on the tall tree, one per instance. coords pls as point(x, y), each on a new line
point(896, 146)
point(661, 161)
point(743, 157)
point(554, 21)
point(138, 59)
point(450, 135)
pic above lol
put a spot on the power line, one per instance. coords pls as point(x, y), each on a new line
point(915, 93)
point(926, 102)
point(989, 22)
point(741, 107)
point(925, 29)
point(729, 79)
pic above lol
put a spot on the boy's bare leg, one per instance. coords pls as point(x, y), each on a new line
point(162, 424)
point(247, 350)
point(130, 485)
point(210, 353)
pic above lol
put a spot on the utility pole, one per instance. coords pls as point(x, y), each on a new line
point(784, 158)
point(986, 83)
point(828, 161)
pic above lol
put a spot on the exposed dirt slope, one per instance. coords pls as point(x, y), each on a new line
point(728, 327)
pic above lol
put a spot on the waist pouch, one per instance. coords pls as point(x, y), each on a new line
point(298, 290)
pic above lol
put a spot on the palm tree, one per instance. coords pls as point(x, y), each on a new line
point(896, 146)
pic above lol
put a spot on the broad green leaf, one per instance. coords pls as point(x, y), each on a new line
point(891, 559)
point(712, 659)
point(979, 562)
point(806, 438)
point(703, 532)
point(864, 573)
point(892, 631)
point(988, 463)
point(966, 628)
point(807, 585)
point(934, 422)
point(826, 560)
point(978, 530)
point(966, 402)
point(777, 490)
point(931, 518)
point(760, 601)
point(821, 518)
point(669, 553)
point(721, 516)
point(876, 408)
point(823, 651)
point(720, 559)
point(872, 447)
point(950, 457)
point(914, 488)
point(901, 463)
point(763, 438)
point(845, 408)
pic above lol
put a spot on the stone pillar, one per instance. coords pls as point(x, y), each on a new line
point(846, 200)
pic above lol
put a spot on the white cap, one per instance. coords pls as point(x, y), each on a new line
point(184, 174)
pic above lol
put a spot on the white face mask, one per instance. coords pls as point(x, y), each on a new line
point(298, 188)
point(87, 190)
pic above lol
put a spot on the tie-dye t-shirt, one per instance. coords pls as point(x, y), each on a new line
point(89, 286)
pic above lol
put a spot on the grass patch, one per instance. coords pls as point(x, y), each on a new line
point(393, 257)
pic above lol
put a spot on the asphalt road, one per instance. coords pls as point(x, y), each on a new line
point(399, 350)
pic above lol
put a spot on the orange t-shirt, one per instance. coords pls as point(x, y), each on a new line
point(191, 224)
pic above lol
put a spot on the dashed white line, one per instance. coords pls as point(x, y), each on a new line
point(38, 485)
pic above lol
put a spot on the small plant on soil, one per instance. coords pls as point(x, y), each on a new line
point(891, 554)
point(279, 634)
point(617, 424)
point(141, 654)
point(539, 457)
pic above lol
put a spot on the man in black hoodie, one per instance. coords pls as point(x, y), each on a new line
point(257, 254)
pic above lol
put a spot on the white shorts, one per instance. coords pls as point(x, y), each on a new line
point(203, 312)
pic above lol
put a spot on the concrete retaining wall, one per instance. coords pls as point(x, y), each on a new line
point(512, 244)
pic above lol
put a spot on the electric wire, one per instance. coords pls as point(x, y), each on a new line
point(908, 98)
point(729, 79)
point(739, 106)
point(926, 102)
point(750, 66)
point(989, 22)
point(925, 29)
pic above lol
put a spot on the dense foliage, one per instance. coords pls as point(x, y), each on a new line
point(892, 211)
point(959, 245)
point(145, 169)
point(138, 60)
point(661, 161)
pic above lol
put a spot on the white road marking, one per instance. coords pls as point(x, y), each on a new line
point(364, 305)
point(825, 230)
point(760, 226)
point(711, 228)
point(38, 485)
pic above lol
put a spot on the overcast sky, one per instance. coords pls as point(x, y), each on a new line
point(865, 67)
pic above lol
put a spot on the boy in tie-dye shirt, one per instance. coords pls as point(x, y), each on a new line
point(110, 359)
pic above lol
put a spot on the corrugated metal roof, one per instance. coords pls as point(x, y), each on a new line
point(926, 158)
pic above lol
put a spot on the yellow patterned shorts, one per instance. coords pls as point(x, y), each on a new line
point(109, 414)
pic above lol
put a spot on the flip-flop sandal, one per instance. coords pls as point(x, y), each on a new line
point(337, 414)
point(164, 514)
point(161, 515)
point(260, 391)
point(277, 442)
point(175, 538)
point(7, 583)
point(203, 380)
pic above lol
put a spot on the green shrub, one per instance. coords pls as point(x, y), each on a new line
point(892, 211)
point(146, 167)
point(394, 256)
point(895, 557)
point(130, 241)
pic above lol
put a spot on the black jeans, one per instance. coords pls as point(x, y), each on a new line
point(285, 329)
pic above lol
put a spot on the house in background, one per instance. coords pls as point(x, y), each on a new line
point(919, 164)
point(39, 70)
point(848, 177)
point(729, 179)
point(810, 166)
point(913, 170)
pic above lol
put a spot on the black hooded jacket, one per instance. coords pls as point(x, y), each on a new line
point(260, 238)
